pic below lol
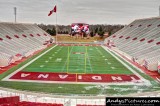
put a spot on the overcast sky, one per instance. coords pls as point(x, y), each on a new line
point(71, 11)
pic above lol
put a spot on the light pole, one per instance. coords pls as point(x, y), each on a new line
point(15, 13)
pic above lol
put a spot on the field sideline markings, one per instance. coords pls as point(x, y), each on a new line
point(144, 80)
point(65, 82)
point(113, 67)
point(46, 61)
point(27, 64)
point(58, 60)
point(67, 59)
point(99, 52)
point(50, 57)
point(89, 60)
point(158, 79)
point(41, 65)
point(109, 63)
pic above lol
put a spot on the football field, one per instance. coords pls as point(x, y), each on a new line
point(80, 67)
point(78, 59)
point(75, 63)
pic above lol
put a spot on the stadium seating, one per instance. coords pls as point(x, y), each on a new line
point(139, 41)
point(20, 40)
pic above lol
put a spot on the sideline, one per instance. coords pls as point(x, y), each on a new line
point(144, 80)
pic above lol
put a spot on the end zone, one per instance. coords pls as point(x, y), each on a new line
point(46, 77)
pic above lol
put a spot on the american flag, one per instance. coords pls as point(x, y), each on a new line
point(54, 10)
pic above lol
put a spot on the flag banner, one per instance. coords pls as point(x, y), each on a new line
point(54, 10)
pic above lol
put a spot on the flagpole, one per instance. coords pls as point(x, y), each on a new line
point(56, 25)
point(50, 13)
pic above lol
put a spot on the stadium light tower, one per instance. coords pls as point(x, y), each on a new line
point(15, 13)
point(159, 11)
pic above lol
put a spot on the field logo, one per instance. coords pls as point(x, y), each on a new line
point(105, 78)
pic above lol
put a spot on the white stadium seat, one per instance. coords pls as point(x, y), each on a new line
point(140, 40)
point(20, 40)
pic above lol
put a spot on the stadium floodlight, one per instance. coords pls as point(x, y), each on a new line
point(159, 10)
point(15, 12)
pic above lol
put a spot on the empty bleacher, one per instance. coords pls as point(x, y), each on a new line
point(139, 41)
point(20, 40)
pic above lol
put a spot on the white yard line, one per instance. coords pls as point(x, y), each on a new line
point(58, 60)
point(89, 62)
point(144, 80)
point(46, 61)
point(113, 67)
point(67, 59)
point(100, 52)
point(41, 66)
point(158, 79)
point(27, 64)
point(108, 63)
point(50, 58)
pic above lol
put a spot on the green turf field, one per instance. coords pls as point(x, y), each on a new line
point(96, 60)
point(78, 59)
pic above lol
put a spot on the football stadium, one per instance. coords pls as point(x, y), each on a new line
point(38, 69)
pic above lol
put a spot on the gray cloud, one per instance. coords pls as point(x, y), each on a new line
point(69, 11)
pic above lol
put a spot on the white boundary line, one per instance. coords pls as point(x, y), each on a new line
point(74, 82)
point(89, 61)
point(131, 64)
point(158, 79)
point(65, 64)
point(144, 80)
point(7, 78)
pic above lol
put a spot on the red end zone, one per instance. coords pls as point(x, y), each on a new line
point(61, 77)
